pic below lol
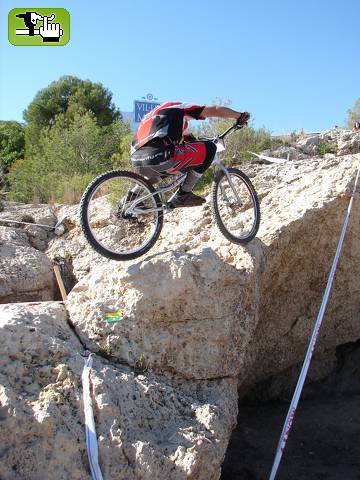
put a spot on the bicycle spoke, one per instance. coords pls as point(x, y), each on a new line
point(236, 207)
point(238, 217)
point(121, 216)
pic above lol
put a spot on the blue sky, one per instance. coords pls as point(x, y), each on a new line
point(291, 64)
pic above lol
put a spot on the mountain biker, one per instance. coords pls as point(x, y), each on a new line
point(163, 146)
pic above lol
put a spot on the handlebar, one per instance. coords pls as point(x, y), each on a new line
point(233, 127)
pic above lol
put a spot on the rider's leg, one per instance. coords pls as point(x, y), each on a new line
point(195, 174)
point(198, 155)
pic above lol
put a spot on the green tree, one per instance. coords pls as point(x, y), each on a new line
point(67, 97)
point(70, 95)
point(69, 154)
point(82, 146)
point(12, 143)
point(121, 159)
point(353, 114)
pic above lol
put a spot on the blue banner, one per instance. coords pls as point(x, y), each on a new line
point(141, 108)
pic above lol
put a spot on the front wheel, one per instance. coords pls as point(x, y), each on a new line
point(235, 206)
point(120, 215)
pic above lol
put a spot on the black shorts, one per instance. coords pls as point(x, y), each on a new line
point(160, 157)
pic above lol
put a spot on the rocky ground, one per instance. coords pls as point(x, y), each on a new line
point(205, 323)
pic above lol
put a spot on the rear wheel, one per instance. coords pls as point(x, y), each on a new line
point(118, 215)
point(235, 206)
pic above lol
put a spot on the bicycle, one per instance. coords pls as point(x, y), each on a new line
point(121, 213)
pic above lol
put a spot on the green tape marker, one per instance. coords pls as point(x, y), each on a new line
point(113, 317)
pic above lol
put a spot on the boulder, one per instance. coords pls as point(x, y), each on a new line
point(308, 145)
point(212, 309)
point(349, 142)
point(37, 237)
point(32, 214)
point(148, 426)
point(22, 212)
point(285, 152)
point(190, 313)
point(71, 248)
point(343, 141)
point(296, 268)
point(25, 273)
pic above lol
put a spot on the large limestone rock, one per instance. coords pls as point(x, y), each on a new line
point(348, 142)
point(188, 313)
point(285, 152)
point(43, 215)
point(211, 308)
point(308, 145)
point(73, 245)
point(23, 280)
point(25, 273)
point(296, 265)
point(338, 141)
point(21, 212)
point(148, 426)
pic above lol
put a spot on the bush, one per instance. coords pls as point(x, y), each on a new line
point(326, 147)
point(69, 155)
point(69, 190)
point(12, 143)
point(202, 188)
point(121, 159)
point(238, 144)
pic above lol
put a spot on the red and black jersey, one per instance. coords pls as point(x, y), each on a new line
point(166, 120)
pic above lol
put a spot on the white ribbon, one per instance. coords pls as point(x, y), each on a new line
point(91, 440)
point(271, 159)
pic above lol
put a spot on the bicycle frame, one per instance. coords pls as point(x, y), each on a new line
point(220, 146)
point(132, 209)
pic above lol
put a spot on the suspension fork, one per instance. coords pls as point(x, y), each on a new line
point(216, 162)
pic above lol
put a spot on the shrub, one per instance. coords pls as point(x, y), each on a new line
point(238, 144)
point(68, 156)
point(326, 147)
point(12, 142)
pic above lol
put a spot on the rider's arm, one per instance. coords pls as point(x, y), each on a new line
point(218, 111)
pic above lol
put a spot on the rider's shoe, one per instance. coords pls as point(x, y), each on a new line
point(186, 199)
